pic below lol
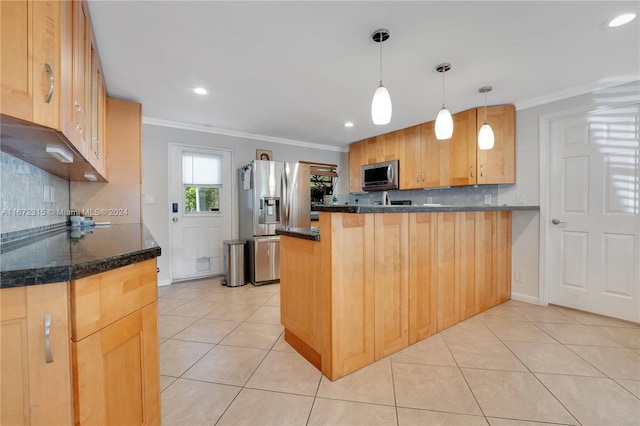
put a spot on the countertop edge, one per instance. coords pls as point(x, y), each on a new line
point(350, 208)
point(302, 233)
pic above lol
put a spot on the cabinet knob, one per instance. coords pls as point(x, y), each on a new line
point(471, 171)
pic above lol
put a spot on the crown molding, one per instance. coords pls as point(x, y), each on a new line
point(236, 134)
point(594, 86)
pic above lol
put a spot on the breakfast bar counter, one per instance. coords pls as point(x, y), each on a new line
point(380, 278)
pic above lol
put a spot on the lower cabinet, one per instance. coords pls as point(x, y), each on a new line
point(391, 278)
point(115, 370)
point(376, 283)
point(34, 359)
point(114, 322)
point(423, 276)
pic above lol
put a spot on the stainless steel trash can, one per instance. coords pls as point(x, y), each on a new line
point(233, 263)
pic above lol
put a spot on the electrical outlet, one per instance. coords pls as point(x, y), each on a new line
point(520, 276)
point(520, 198)
point(429, 200)
point(47, 194)
point(487, 198)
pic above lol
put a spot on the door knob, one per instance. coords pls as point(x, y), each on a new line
point(175, 219)
point(556, 221)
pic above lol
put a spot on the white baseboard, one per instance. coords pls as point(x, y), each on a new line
point(525, 298)
point(164, 282)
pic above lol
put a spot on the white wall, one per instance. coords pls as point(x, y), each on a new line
point(155, 167)
point(526, 225)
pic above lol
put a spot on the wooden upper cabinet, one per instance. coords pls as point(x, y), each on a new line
point(30, 60)
point(435, 160)
point(498, 165)
point(411, 153)
point(355, 166)
point(384, 147)
point(463, 149)
point(77, 119)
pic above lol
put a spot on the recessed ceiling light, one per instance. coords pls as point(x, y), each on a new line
point(348, 124)
point(200, 91)
point(620, 20)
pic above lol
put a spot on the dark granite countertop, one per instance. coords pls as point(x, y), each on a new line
point(311, 233)
point(65, 255)
point(361, 208)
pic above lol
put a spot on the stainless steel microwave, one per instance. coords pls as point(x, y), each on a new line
point(380, 176)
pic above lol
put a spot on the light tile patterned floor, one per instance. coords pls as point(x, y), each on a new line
point(223, 361)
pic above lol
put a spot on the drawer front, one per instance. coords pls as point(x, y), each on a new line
point(102, 299)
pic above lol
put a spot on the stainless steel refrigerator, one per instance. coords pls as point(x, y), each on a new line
point(272, 194)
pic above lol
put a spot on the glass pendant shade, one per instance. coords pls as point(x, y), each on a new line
point(381, 106)
point(444, 124)
point(485, 137)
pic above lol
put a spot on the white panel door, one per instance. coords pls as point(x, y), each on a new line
point(196, 239)
point(594, 248)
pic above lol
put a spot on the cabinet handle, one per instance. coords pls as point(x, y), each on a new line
point(481, 170)
point(417, 177)
point(47, 98)
point(79, 109)
point(97, 151)
point(422, 176)
point(48, 356)
point(471, 171)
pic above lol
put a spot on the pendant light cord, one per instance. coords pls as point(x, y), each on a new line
point(485, 107)
point(443, 71)
point(380, 34)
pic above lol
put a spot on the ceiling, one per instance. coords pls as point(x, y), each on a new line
point(297, 70)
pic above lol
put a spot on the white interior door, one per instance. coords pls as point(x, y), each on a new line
point(200, 206)
point(594, 249)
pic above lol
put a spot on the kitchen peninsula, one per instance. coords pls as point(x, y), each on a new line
point(376, 279)
point(79, 327)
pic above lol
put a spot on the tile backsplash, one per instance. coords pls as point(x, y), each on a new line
point(458, 195)
point(29, 196)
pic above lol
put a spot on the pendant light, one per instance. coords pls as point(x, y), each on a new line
point(485, 135)
point(381, 103)
point(444, 121)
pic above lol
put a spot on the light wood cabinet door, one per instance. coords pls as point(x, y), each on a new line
point(486, 259)
point(389, 145)
point(355, 166)
point(300, 292)
point(348, 253)
point(423, 275)
point(30, 60)
point(76, 125)
point(411, 155)
point(116, 379)
point(435, 158)
point(462, 145)
point(498, 165)
point(391, 283)
point(467, 267)
point(448, 276)
point(97, 105)
point(371, 150)
point(33, 390)
point(503, 255)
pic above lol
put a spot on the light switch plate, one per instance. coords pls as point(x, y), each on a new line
point(487, 198)
point(47, 194)
point(520, 198)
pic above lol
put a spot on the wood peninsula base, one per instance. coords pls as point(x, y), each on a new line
point(378, 282)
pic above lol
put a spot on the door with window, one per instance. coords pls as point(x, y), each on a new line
point(594, 212)
point(200, 210)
